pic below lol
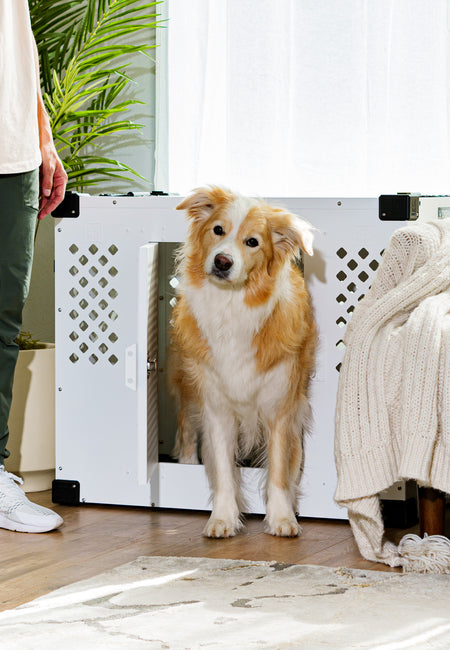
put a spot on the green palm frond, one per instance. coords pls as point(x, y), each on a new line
point(53, 27)
point(89, 168)
point(85, 51)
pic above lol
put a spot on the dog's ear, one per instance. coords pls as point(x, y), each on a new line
point(289, 233)
point(203, 201)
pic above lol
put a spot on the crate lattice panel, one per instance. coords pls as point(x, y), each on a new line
point(95, 302)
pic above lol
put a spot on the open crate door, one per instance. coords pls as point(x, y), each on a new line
point(147, 362)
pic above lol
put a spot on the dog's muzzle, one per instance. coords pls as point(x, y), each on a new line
point(222, 265)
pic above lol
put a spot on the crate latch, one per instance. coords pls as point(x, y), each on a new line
point(152, 365)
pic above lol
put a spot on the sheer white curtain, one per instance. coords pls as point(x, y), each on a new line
point(309, 97)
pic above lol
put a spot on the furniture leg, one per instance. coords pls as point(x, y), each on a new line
point(431, 511)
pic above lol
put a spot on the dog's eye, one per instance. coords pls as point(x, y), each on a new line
point(218, 230)
point(252, 242)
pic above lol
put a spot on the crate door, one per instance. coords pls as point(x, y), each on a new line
point(146, 362)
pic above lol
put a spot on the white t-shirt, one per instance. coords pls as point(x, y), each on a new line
point(19, 133)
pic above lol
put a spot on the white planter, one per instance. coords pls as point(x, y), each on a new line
point(32, 419)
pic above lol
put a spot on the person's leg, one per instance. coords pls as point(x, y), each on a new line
point(19, 200)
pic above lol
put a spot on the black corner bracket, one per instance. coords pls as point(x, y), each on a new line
point(66, 492)
point(69, 207)
point(398, 207)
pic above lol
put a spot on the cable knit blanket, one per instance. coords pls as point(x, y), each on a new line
point(393, 403)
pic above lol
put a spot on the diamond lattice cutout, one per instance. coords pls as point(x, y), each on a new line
point(93, 337)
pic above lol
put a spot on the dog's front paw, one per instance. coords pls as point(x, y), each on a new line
point(217, 527)
point(283, 527)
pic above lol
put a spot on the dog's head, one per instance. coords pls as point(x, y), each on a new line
point(233, 239)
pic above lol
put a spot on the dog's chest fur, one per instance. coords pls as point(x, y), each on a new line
point(229, 327)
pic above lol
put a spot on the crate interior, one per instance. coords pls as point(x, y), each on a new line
point(167, 283)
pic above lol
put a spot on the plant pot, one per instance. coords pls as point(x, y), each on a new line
point(32, 419)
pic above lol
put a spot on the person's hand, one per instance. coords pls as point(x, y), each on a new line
point(52, 175)
point(53, 180)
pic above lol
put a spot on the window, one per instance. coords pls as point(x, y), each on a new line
point(307, 98)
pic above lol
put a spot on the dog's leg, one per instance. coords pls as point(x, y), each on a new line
point(218, 452)
point(285, 458)
point(186, 441)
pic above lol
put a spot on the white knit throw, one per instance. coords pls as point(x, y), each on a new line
point(393, 403)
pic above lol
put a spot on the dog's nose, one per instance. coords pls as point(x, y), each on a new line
point(223, 262)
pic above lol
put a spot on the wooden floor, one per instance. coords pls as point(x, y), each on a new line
point(96, 538)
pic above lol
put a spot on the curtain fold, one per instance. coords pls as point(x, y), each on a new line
point(307, 98)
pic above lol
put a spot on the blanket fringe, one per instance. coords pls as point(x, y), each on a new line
point(428, 555)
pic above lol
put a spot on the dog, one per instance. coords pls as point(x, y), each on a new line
point(242, 350)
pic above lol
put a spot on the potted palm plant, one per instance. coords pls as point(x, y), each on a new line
point(86, 50)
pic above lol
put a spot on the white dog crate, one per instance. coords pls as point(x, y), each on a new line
point(114, 286)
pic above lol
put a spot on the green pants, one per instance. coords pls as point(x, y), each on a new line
point(19, 201)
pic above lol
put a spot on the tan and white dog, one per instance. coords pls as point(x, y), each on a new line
point(242, 351)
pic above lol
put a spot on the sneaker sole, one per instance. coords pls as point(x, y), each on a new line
point(15, 526)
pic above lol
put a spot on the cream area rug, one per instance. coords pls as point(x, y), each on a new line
point(183, 603)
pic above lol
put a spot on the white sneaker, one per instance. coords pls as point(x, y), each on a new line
point(20, 514)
